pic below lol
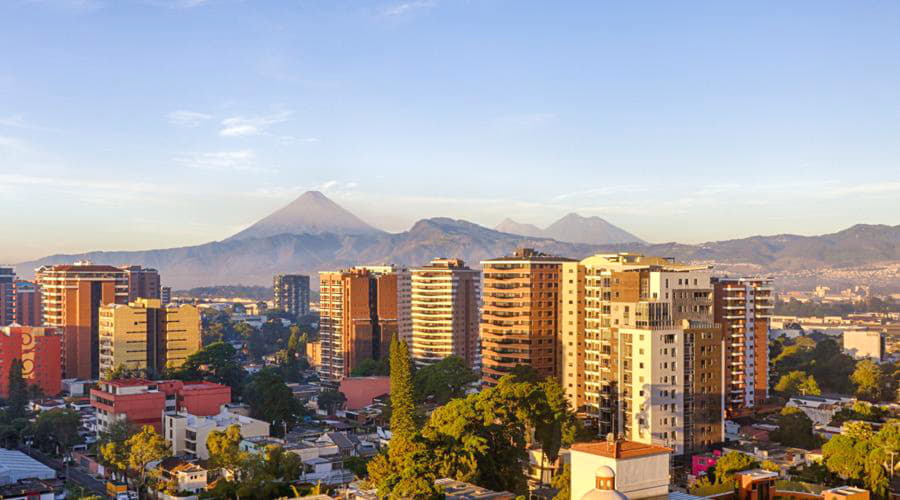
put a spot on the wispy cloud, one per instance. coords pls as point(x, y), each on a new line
point(18, 121)
point(242, 126)
point(190, 119)
point(70, 4)
point(605, 190)
point(406, 8)
point(240, 161)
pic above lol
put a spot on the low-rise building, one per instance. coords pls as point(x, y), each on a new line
point(862, 344)
point(187, 476)
point(641, 470)
point(143, 401)
point(187, 432)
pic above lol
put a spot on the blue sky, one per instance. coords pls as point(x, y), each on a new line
point(129, 124)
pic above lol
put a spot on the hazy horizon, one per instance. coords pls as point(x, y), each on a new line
point(138, 124)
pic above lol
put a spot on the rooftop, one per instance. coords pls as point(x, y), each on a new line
point(621, 449)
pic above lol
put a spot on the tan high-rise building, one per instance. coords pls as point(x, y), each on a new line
point(146, 335)
point(359, 311)
point(71, 298)
point(631, 330)
point(444, 311)
point(520, 314)
point(743, 306)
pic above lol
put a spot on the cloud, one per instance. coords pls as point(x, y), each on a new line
point(606, 190)
point(241, 126)
point(189, 119)
point(405, 8)
point(239, 161)
point(69, 4)
point(18, 121)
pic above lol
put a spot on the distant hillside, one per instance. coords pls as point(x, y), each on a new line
point(573, 228)
point(254, 260)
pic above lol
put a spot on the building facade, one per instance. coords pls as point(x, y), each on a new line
point(29, 311)
point(444, 298)
point(143, 282)
point(187, 433)
point(864, 344)
point(629, 334)
point(71, 297)
point(359, 311)
point(7, 296)
point(146, 335)
point(39, 350)
point(143, 402)
point(291, 293)
point(743, 306)
point(520, 314)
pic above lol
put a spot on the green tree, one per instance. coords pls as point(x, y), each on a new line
point(111, 448)
point(795, 429)
point(56, 431)
point(358, 466)
point(868, 377)
point(144, 447)
point(371, 367)
point(770, 466)
point(403, 424)
point(331, 401)
point(270, 399)
point(444, 380)
point(224, 450)
point(732, 462)
point(563, 483)
point(17, 401)
point(216, 362)
point(796, 383)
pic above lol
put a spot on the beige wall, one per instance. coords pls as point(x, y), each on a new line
point(640, 477)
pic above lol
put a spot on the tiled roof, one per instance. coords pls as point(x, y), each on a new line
point(621, 449)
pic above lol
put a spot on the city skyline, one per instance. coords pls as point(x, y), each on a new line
point(760, 119)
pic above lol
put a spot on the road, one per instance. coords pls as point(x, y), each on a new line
point(75, 474)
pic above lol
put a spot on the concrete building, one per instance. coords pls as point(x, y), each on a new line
point(146, 335)
point(187, 432)
point(359, 312)
point(7, 295)
point(291, 293)
point(28, 304)
point(629, 359)
point(72, 295)
point(520, 314)
point(143, 282)
point(638, 470)
point(864, 344)
point(444, 310)
point(39, 350)
point(165, 295)
point(743, 306)
point(143, 402)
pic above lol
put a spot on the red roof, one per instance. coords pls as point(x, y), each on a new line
point(130, 382)
point(361, 390)
point(621, 449)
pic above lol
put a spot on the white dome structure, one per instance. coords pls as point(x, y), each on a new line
point(605, 487)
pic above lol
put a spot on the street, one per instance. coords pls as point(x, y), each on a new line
point(75, 474)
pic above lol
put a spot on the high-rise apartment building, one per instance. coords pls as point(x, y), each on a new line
point(359, 311)
point(632, 327)
point(7, 295)
point(444, 309)
point(165, 295)
point(520, 314)
point(147, 335)
point(72, 295)
point(743, 306)
point(291, 293)
point(28, 304)
point(39, 350)
point(143, 282)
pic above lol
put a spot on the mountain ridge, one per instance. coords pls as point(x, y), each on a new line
point(573, 228)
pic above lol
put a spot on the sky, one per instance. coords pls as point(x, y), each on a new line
point(136, 124)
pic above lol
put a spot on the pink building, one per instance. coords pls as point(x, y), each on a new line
point(702, 463)
point(360, 391)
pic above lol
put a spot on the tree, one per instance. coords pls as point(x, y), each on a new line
point(216, 362)
point(732, 462)
point(17, 401)
point(144, 447)
point(444, 380)
point(358, 466)
point(224, 449)
point(563, 483)
point(867, 376)
point(770, 466)
point(371, 367)
point(121, 371)
point(270, 399)
point(111, 447)
point(55, 431)
point(795, 429)
point(403, 424)
point(796, 383)
point(331, 401)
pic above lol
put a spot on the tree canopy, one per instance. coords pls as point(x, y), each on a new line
point(443, 381)
point(795, 429)
point(796, 383)
point(270, 399)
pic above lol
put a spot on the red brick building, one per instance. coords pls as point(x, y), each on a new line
point(40, 349)
point(143, 402)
